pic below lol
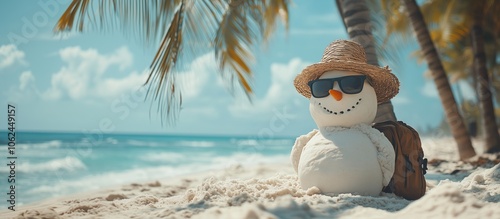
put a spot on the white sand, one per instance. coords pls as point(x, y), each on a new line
point(272, 191)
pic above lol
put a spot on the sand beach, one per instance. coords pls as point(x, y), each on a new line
point(454, 190)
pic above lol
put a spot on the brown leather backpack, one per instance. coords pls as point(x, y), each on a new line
point(408, 180)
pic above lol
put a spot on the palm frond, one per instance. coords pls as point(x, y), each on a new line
point(184, 29)
point(188, 36)
point(243, 24)
point(273, 10)
point(75, 13)
point(145, 19)
point(163, 62)
point(396, 20)
point(231, 40)
point(387, 53)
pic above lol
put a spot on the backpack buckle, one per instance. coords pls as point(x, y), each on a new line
point(423, 164)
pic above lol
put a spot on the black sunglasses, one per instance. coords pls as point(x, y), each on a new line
point(349, 84)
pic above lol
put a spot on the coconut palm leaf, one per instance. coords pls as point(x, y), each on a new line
point(395, 20)
point(184, 29)
point(242, 25)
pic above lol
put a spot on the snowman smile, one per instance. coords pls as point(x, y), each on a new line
point(342, 111)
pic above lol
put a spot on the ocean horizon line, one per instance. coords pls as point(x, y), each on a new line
point(153, 134)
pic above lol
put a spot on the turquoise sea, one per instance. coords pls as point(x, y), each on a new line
point(55, 164)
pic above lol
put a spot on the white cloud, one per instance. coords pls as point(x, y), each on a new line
point(92, 60)
point(467, 90)
point(9, 54)
point(281, 91)
point(197, 75)
point(82, 74)
point(113, 87)
point(52, 94)
point(400, 100)
point(429, 89)
point(25, 78)
point(26, 90)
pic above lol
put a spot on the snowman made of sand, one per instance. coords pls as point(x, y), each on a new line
point(345, 154)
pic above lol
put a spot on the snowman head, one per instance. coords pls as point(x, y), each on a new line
point(343, 88)
point(342, 98)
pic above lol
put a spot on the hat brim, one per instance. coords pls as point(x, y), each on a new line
point(385, 84)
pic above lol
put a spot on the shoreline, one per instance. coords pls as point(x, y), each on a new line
point(184, 180)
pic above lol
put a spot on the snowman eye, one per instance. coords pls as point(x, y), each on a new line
point(349, 84)
point(320, 88)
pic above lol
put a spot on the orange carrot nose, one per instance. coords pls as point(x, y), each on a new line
point(336, 94)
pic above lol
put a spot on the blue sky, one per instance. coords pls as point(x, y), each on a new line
point(91, 82)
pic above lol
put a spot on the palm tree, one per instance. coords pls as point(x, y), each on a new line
point(453, 116)
point(184, 29)
point(461, 32)
point(357, 22)
point(492, 137)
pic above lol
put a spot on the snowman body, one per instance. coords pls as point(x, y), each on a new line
point(346, 155)
point(341, 161)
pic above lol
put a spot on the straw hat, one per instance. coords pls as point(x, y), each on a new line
point(345, 55)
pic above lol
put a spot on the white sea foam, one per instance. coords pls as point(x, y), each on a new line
point(68, 163)
point(196, 144)
point(247, 142)
point(104, 180)
point(111, 141)
point(109, 179)
point(43, 145)
point(145, 143)
point(165, 157)
point(263, 143)
point(201, 144)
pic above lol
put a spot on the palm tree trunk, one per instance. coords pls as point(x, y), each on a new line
point(490, 128)
point(356, 17)
point(385, 112)
point(453, 116)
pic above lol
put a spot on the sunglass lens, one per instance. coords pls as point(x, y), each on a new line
point(320, 88)
point(352, 85)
